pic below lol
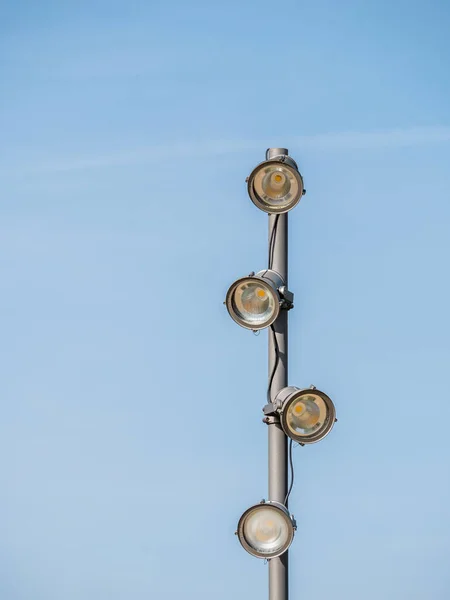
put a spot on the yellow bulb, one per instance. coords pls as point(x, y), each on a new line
point(261, 293)
point(277, 179)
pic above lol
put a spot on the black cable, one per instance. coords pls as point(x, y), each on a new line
point(272, 241)
point(291, 463)
point(273, 236)
point(277, 360)
point(277, 353)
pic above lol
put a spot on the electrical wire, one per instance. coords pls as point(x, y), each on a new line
point(275, 366)
point(291, 464)
point(273, 236)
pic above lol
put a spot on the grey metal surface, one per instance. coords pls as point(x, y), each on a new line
point(275, 278)
point(273, 152)
point(278, 476)
point(281, 154)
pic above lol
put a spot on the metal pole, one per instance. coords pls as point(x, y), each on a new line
point(278, 459)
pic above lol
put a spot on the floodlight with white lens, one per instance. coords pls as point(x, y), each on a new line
point(266, 530)
point(306, 416)
point(254, 301)
point(276, 186)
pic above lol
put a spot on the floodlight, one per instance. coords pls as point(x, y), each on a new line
point(266, 530)
point(307, 415)
point(254, 301)
point(276, 186)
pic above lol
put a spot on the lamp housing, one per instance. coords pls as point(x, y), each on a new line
point(275, 186)
point(266, 530)
point(306, 415)
point(254, 301)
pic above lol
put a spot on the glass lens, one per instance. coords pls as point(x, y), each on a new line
point(253, 302)
point(277, 186)
point(266, 530)
point(306, 414)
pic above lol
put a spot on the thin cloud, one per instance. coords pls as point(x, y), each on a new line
point(347, 140)
point(391, 138)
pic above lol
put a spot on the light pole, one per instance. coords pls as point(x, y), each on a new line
point(256, 302)
point(278, 366)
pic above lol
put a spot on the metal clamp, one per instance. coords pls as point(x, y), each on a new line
point(270, 409)
point(271, 420)
point(287, 298)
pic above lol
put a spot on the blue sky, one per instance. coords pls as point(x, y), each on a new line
point(131, 437)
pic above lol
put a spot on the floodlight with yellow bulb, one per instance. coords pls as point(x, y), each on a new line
point(266, 530)
point(276, 186)
point(254, 301)
point(307, 415)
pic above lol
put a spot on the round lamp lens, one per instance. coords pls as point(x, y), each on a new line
point(275, 187)
point(254, 303)
point(266, 531)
